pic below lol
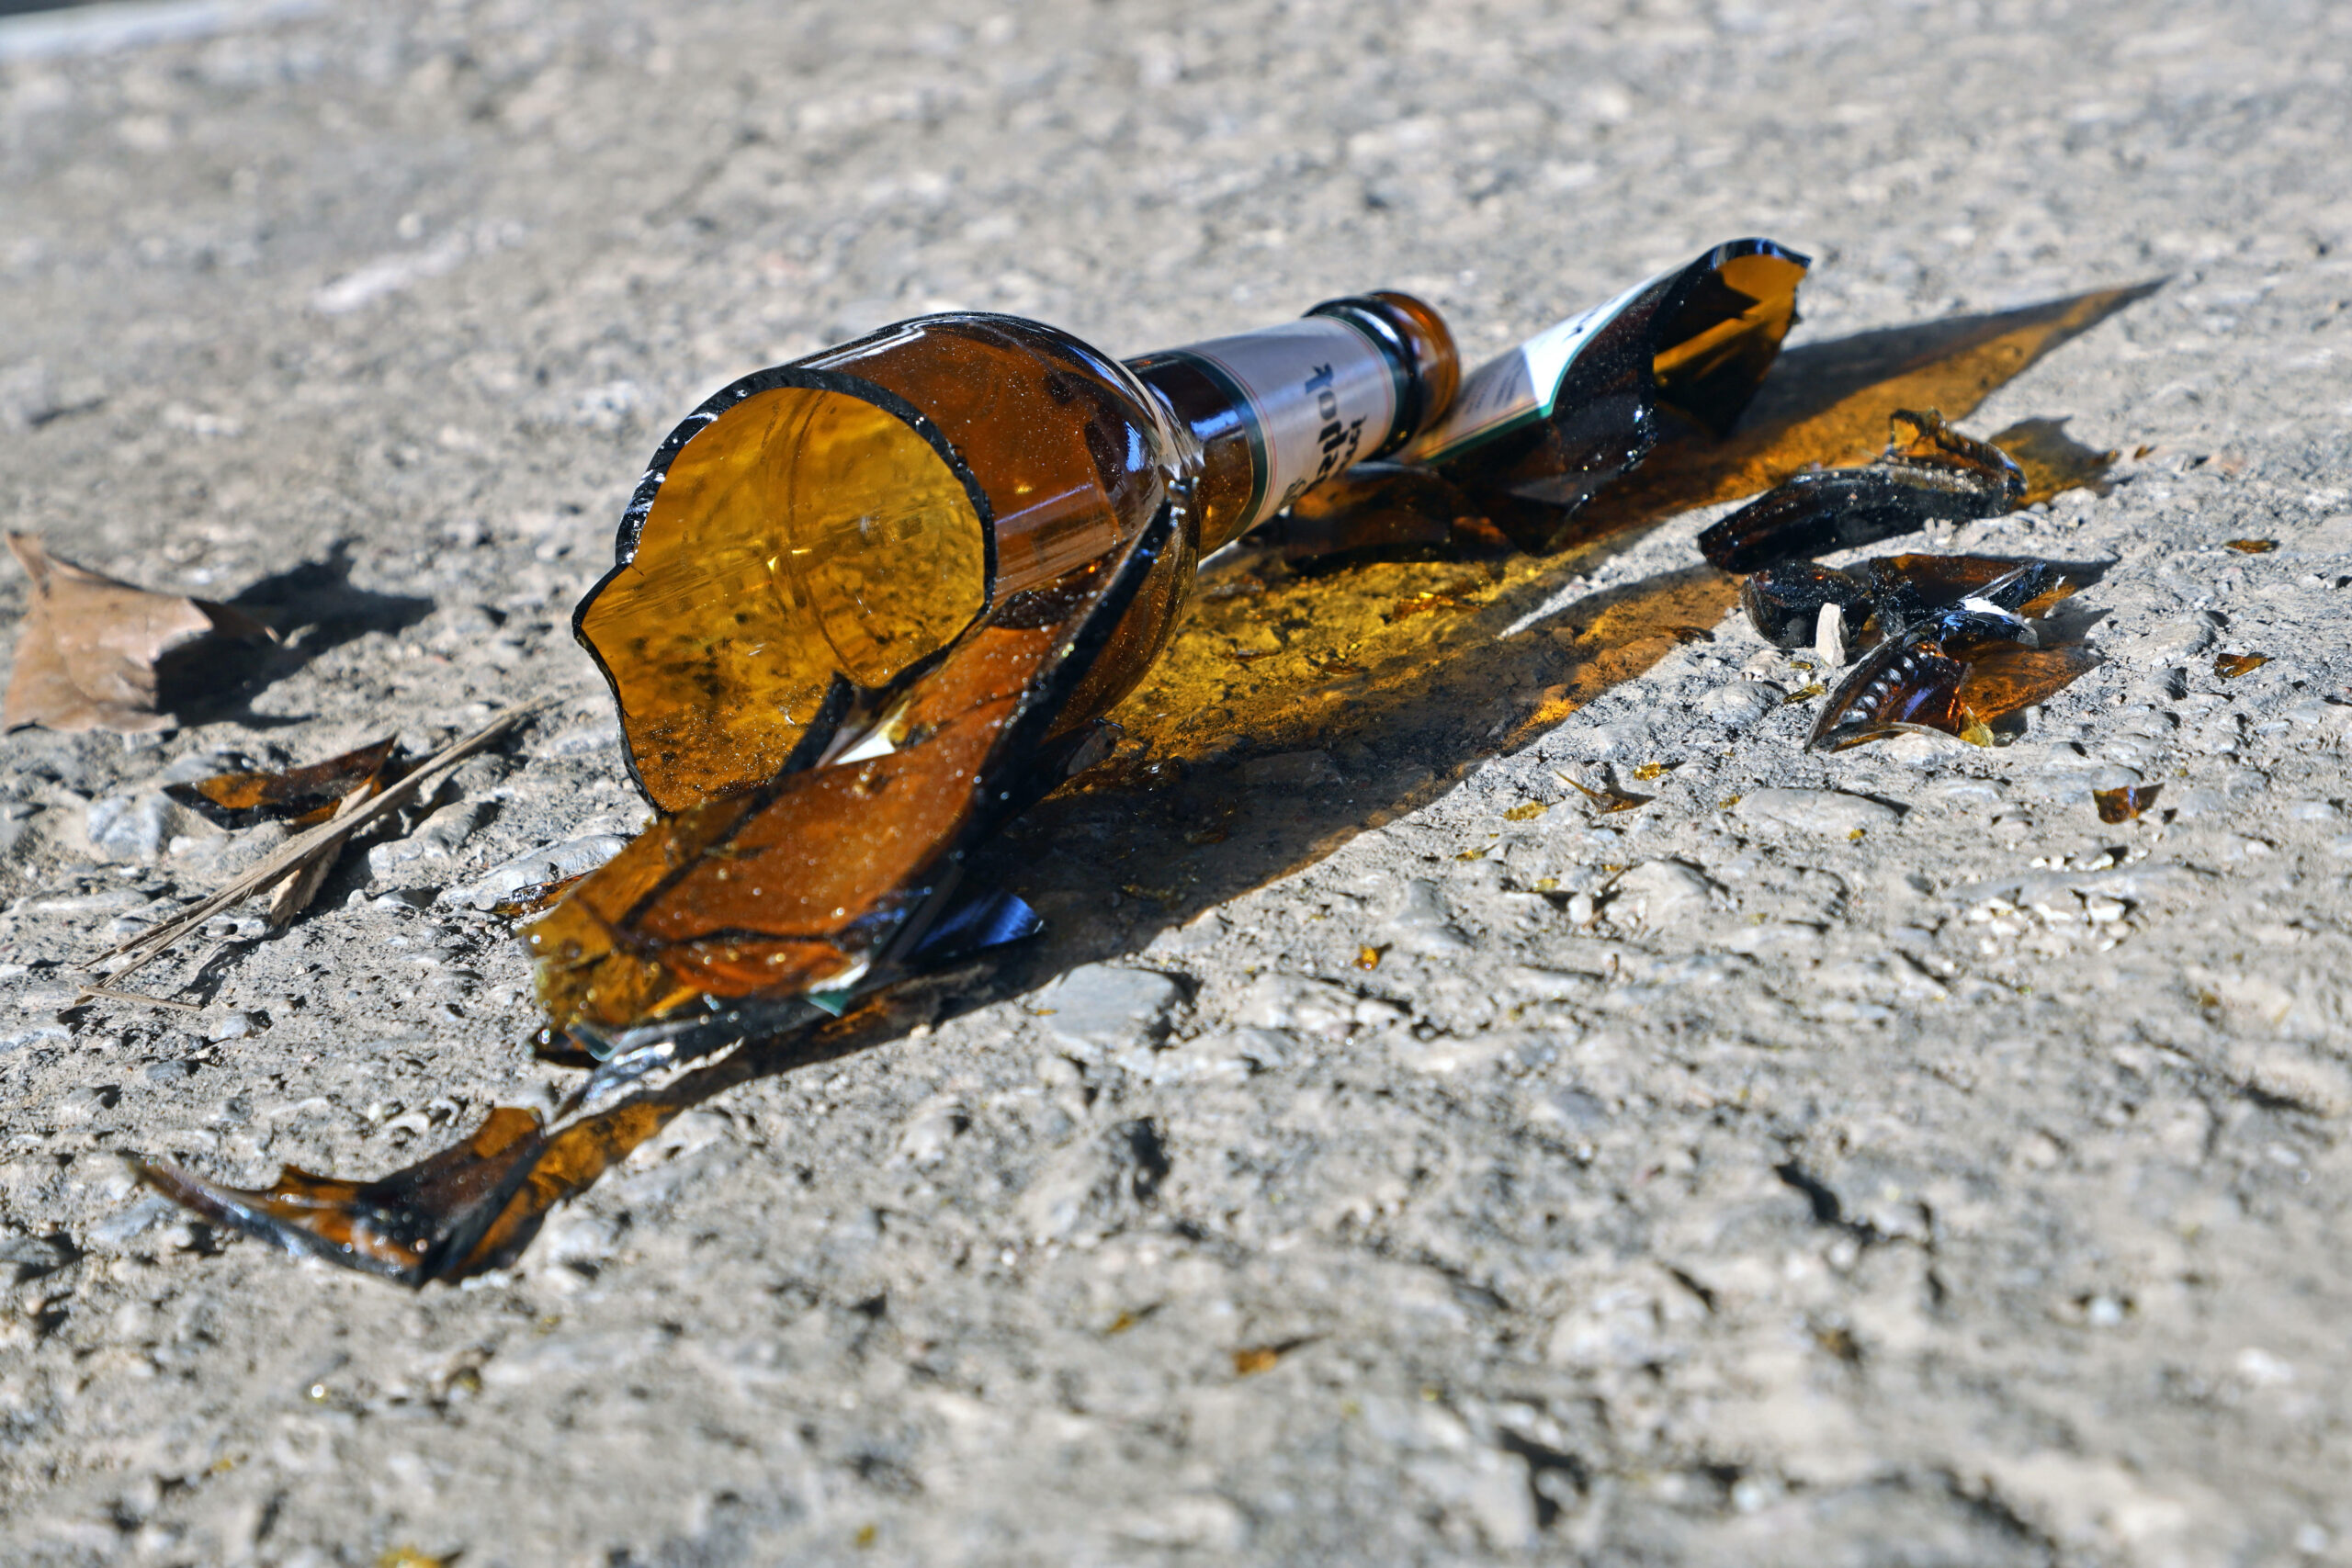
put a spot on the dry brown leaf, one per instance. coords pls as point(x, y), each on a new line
point(86, 657)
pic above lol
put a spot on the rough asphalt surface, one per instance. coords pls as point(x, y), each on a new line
point(1964, 1190)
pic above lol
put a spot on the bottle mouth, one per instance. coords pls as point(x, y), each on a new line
point(801, 528)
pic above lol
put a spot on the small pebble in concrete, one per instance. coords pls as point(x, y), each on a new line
point(1100, 1007)
point(1826, 811)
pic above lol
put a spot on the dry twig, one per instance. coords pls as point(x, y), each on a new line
point(294, 894)
point(297, 854)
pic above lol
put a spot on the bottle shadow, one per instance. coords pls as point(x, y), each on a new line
point(1408, 673)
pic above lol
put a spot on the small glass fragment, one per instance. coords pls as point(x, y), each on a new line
point(2253, 546)
point(1255, 1358)
point(1804, 694)
point(1927, 471)
point(1428, 600)
point(2124, 804)
point(364, 1226)
point(1370, 957)
point(301, 796)
point(1649, 771)
point(1529, 811)
point(2230, 666)
point(535, 899)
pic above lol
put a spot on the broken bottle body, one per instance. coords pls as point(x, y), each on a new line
point(867, 606)
point(846, 518)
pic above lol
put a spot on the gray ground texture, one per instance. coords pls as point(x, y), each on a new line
point(1970, 1191)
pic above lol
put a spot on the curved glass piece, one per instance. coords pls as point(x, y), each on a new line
point(803, 533)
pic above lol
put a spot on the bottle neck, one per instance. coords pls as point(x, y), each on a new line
point(1280, 410)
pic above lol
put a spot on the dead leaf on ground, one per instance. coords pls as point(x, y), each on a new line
point(89, 651)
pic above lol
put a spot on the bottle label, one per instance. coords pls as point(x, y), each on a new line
point(1520, 387)
point(1317, 393)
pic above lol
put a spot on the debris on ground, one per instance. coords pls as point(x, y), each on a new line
point(95, 653)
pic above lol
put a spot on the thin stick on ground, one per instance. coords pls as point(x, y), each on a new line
point(294, 894)
point(141, 998)
point(149, 945)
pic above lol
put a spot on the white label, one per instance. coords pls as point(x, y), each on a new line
point(1324, 395)
point(1519, 387)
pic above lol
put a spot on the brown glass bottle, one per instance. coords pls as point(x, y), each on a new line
point(850, 514)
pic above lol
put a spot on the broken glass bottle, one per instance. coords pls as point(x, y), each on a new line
point(843, 519)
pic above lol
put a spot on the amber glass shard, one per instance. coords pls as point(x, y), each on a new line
point(2253, 546)
point(378, 1226)
point(1906, 589)
point(301, 796)
point(2002, 680)
point(1927, 471)
point(813, 883)
point(467, 1208)
point(1608, 799)
point(1785, 602)
point(2230, 666)
point(2121, 805)
point(1956, 671)
point(1536, 435)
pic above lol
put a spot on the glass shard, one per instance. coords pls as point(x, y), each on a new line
point(1608, 799)
point(1535, 435)
point(2230, 666)
point(826, 880)
point(2124, 804)
point(1893, 593)
point(1956, 671)
point(1927, 471)
point(301, 796)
